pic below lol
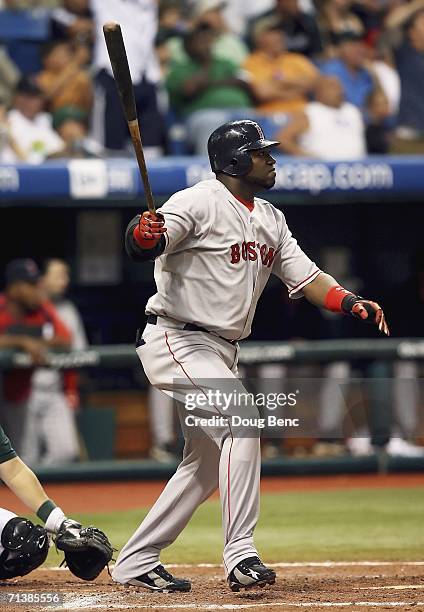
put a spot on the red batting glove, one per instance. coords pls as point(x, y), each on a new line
point(149, 230)
point(372, 313)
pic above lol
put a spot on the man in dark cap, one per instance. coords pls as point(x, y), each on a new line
point(30, 324)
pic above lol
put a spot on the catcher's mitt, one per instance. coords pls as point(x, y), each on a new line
point(87, 549)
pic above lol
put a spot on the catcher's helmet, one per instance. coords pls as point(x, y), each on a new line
point(230, 144)
point(25, 547)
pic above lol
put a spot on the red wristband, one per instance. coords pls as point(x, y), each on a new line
point(335, 297)
point(144, 243)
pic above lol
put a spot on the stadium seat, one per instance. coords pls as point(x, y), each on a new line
point(24, 25)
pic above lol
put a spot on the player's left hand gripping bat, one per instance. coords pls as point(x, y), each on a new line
point(121, 72)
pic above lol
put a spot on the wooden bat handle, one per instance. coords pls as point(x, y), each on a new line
point(134, 128)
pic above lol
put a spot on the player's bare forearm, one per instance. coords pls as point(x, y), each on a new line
point(11, 341)
point(400, 15)
point(196, 84)
point(326, 292)
point(290, 135)
point(23, 482)
point(316, 292)
point(292, 148)
point(265, 91)
point(21, 342)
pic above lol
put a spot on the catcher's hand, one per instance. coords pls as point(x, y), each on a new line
point(371, 312)
point(87, 549)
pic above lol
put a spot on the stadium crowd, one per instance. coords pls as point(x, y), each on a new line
point(348, 69)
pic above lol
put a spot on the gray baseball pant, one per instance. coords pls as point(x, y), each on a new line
point(179, 362)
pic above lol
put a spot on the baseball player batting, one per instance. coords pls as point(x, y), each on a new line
point(215, 246)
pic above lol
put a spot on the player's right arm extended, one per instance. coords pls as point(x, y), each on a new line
point(324, 291)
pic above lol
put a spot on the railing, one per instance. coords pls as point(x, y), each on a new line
point(123, 355)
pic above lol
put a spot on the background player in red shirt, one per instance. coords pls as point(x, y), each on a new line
point(30, 323)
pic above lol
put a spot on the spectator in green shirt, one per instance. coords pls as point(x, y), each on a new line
point(227, 44)
point(205, 90)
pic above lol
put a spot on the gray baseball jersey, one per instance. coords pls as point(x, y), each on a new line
point(217, 259)
point(219, 256)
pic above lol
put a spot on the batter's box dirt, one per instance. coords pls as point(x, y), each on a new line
point(360, 588)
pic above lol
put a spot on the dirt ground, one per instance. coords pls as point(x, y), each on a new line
point(358, 586)
point(111, 496)
point(316, 587)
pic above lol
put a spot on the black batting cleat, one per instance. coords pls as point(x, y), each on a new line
point(158, 579)
point(250, 572)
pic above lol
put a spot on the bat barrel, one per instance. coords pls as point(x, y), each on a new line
point(119, 62)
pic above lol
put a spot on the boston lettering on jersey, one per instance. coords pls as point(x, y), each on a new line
point(249, 251)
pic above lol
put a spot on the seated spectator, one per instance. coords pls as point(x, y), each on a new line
point(204, 88)
point(280, 80)
point(328, 128)
point(335, 18)
point(379, 127)
point(172, 25)
point(31, 128)
point(409, 60)
point(72, 20)
point(72, 126)
point(10, 151)
point(300, 28)
point(349, 68)
point(227, 45)
point(62, 80)
point(171, 19)
point(138, 20)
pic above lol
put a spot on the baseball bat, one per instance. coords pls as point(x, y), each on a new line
point(121, 72)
